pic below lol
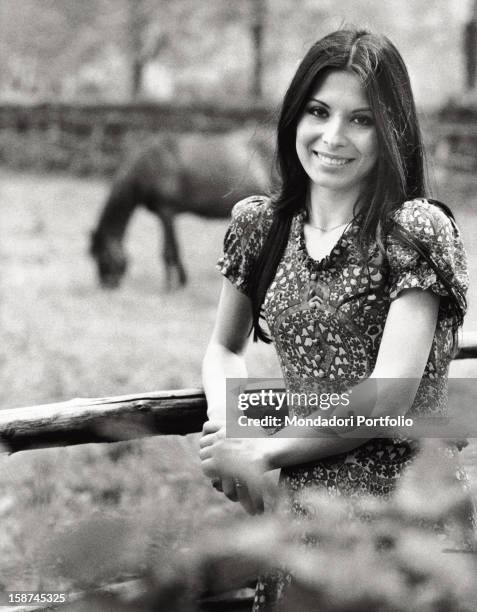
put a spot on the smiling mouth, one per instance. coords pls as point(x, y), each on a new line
point(332, 160)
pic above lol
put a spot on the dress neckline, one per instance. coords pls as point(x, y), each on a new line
point(342, 242)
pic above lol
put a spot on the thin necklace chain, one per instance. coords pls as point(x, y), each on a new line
point(329, 229)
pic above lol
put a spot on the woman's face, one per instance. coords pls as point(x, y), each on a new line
point(336, 139)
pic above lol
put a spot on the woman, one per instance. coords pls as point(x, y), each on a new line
point(349, 265)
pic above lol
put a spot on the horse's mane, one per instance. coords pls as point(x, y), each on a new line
point(123, 198)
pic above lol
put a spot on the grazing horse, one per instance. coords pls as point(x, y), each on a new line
point(204, 174)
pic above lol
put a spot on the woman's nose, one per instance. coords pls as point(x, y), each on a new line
point(334, 133)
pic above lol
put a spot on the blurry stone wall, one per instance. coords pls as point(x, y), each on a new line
point(95, 139)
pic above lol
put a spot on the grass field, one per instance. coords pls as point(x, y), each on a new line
point(63, 337)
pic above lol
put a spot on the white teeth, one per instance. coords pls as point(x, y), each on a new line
point(332, 161)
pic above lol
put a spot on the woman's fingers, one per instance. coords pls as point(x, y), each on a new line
point(209, 468)
point(217, 484)
point(224, 462)
point(249, 494)
point(205, 453)
point(211, 435)
point(228, 488)
point(211, 427)
point(244, 497)
point(256, 495)
point(250, 497)
point(207, 440)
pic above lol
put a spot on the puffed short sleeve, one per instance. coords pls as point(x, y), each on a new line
point(428, 225)
point(243, 240)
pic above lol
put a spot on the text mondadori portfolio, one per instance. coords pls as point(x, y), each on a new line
point(320, 421)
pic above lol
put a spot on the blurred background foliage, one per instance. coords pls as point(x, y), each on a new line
point(366, 555)
point(189, 50)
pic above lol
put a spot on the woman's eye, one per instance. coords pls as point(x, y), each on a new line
point(318, 111)
point(364, 120)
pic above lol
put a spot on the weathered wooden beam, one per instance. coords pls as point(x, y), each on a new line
point(467, 346)
point(111, 419)
point(107, 419)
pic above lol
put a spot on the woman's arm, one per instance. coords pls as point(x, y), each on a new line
point(224, 359)
point(224, 355)
point(403, 354)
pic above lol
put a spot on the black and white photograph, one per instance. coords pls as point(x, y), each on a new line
point(238, 311)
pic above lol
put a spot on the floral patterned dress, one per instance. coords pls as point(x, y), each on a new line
point(327, 318)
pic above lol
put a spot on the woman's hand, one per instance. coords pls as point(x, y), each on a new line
point(236, 463)
point(213, 431)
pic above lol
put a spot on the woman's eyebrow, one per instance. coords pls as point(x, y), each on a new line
point(319, 102)
point(354, 110)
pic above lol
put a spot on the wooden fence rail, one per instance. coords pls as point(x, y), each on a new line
point(107, 419)
point(111, 419)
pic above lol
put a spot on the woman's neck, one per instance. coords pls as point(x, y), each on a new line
point(328, 207)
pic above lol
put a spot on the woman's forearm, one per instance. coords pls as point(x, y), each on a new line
point(280, 451)
point(219, 364)
point(373, 398)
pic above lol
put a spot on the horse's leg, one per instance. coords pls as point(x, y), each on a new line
point(171, 253)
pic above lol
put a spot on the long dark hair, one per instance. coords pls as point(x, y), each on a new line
point(399, 174)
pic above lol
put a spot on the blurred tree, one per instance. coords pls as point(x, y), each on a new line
point(44, 43)
point(257, 33)
point(220, 50)
point(470, 48)
point(145, 40)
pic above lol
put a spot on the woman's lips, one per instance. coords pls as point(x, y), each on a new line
point(332, 160)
